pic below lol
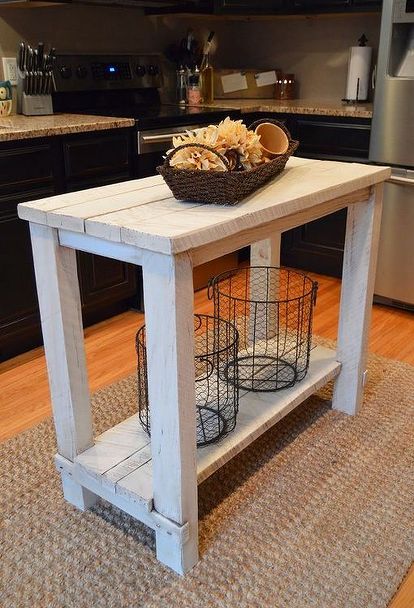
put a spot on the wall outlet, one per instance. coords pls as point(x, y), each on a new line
point(10, 69)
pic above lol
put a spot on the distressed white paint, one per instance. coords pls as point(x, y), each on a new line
point(123, 471)
point(360, 257)
point(300, 187)
point(257, 413)
point(168, 297)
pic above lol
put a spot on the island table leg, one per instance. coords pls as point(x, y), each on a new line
point(360, 255)
point(60, 312)
point(169, 318)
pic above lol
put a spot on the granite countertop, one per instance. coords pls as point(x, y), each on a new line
point(18, 126)
point(297, 106)
point(26, 127)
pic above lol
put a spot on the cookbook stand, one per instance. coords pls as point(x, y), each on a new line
point(140, 223)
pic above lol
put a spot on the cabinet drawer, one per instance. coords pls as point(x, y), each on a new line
point(99, 155)
point(325, 139)
point(25, 166)
point(249, 7)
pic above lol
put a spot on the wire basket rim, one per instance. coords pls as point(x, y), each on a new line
point(234, 341)
point(228, 273)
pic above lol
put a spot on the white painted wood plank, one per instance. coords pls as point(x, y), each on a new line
point(360, 257)
point(139, 508)
point(109, 227)
point(301, 186)
point(60, 310)
point(73, 217)
point(36, 211)
point(129, 465)
point(257, 413)
point(138, 483)
point(169, 320)
point(114, 446)
point(265, 253)
point(109, 249)
point(293, 191)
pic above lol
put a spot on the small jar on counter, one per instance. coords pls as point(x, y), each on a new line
point(286, 86)
point(194, 97)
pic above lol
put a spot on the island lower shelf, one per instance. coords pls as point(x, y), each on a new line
point(119, 464)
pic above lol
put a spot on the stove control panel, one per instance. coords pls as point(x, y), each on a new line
point(104, 72)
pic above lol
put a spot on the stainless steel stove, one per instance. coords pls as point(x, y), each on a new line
point(128, 86)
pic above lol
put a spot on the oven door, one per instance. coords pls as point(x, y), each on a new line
point(152, 146)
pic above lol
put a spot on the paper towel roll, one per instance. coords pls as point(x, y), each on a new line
point(359, 65)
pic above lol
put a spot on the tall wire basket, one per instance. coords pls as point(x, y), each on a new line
point(272, 309)
point(216, 378)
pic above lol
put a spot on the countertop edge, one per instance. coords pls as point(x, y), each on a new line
point(19, 133)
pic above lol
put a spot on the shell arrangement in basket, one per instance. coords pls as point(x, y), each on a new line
point(224, 163)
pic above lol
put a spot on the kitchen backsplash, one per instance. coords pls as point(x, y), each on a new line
point(299, 45)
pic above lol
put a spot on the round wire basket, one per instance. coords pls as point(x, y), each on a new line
point(272, 309)
point(216, 378)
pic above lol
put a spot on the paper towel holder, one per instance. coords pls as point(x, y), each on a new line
point(360, 84)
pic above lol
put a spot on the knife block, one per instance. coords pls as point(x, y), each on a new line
point(32, 105)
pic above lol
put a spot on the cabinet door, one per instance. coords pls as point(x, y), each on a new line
point(325, 6)
point(375, 5)
point(107, 286)
point(340, 139)
point(26, 173)
point(317, 246)
point(249, 6)
point(19, 314)
point(90, 156)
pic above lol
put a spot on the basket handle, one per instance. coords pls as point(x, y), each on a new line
point(256, 123)
point(196, 145)
point(210, 287)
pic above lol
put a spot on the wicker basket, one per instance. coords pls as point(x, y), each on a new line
point(222, 187)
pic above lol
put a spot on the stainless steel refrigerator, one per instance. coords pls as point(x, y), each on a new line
point(392, 143)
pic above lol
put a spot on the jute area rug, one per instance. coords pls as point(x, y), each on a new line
point(318, 512)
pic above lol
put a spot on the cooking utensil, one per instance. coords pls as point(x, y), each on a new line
point(22, 52)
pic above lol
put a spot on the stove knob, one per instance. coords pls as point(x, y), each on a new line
point(153, 70)
point(66, 71)
point(140, 70)
point(81, 71)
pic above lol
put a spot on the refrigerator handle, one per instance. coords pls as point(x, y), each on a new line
point(402, 181)
point(374, 77)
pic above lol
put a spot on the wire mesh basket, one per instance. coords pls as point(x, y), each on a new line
point(216, 381)
point(272, 309)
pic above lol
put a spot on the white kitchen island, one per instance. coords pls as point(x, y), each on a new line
point(141, 223)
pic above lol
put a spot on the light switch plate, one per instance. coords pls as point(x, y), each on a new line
point(10, 69)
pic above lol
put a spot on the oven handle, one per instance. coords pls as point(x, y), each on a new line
point(160, 138)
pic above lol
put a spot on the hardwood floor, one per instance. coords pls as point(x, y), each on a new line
point(24, 393)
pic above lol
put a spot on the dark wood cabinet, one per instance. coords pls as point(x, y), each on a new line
point(26, 173)
point(295, 7)
point(248, 7)
point(318, 246)
point(107, 286)
point(35, 169)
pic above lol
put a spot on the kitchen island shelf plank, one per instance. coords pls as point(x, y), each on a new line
point(120, 460)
